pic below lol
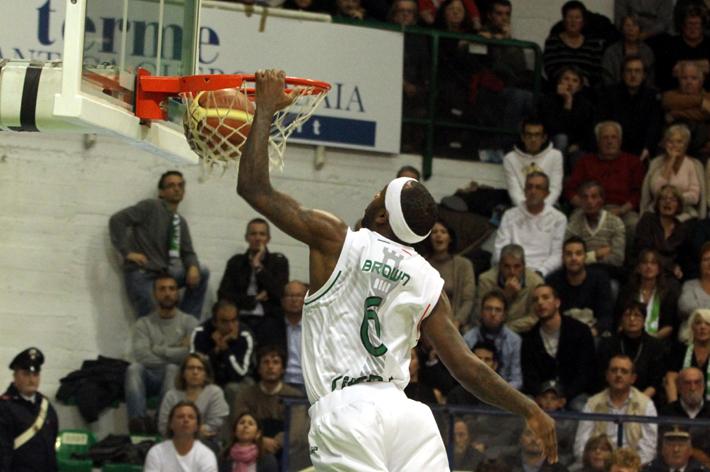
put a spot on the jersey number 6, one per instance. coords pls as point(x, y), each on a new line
point(371, 315)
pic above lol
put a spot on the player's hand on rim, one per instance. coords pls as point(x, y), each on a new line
point(271, 95)
point(544, 427)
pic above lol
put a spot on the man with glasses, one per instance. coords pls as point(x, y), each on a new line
point(533, 153)
point(492, 329)
point(620, 398)
point(153, 238)
point(535, 225)
point(691, 404)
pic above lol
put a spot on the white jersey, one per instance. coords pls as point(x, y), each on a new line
point(362, 323)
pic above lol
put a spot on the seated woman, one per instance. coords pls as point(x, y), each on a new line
point(694, 354)
point(694, 294)
point(457, 272)
point(676, 168)
point(646, 351)
point(597, 453)
point(630, 45)
point(568, 115)
point(245, 452)
point(648, 285)
point(572, 48)
point(194, 383)
point(181, 451)
point(662, 231)
point(456, 64)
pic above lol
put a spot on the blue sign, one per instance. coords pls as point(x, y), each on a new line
point(341, 130)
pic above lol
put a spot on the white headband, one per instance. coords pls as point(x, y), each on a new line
point(393, 204)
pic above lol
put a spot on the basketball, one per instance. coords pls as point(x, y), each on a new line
point(219, 121)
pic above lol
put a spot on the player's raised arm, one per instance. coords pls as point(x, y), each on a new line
point(319, 229)
point(481, 380)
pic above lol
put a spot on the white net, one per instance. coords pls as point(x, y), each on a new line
point(218, 122)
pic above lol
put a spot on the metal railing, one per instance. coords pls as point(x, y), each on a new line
point(431, 122)
point(497, 430)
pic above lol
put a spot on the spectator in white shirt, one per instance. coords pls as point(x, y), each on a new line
point(181, 452)
point(620, 398)
point(533, 153)
point(536, 226)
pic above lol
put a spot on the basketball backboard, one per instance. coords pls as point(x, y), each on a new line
point(91, 90)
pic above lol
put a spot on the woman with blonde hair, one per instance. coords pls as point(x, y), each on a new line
point(624, 459)
point(676, 168)
point(695, 294)
point(695, 354)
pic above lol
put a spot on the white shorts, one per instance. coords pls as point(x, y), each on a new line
point(372, 427)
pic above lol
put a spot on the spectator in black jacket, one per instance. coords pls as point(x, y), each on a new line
point(645, 351)
point(255, 280)
point(557, 347)
point(229, 347)
point(585, 290)
point(636, 107)
point(567, 115)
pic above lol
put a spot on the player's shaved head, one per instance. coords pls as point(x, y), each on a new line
point(418, 207)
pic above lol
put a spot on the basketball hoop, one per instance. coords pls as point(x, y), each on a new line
point(219, 112)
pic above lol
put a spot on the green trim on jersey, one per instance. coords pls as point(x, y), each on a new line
point(326, 290)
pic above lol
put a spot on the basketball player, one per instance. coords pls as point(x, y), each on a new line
point(371, 296)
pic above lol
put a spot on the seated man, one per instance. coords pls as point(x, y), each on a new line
point(154, 238)
point(506, 342)
point(636, 107)
point(264, 399)
point(534, 154)
point(557, 347)
point(255, 280)
point(647, 352)
point(602, 231)
point(619, 173)
point(486, 351)
point(289, 333)
point(516, 281)
point(691, 404)
point(676, 453)
point(536, 226)
point(466, 456)
point(585, 292)
point(161, 341)
point(620, 398)
point(229, 347)
point(531, 457)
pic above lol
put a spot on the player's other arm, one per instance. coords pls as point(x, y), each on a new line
point(318, 229)
point(480, 380)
